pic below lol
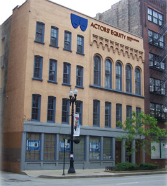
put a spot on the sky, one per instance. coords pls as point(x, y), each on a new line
point(87, 7)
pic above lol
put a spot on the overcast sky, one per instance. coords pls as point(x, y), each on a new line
point(87, 7)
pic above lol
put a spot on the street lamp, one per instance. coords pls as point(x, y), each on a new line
point(72, 96)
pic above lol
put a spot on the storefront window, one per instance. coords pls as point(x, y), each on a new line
point(49, 149)
point(107, 148)
point(33, 146)
point(94, 152)
point(79, 149)
point(61, 147)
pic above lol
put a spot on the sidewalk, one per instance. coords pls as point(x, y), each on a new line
point(87, 173)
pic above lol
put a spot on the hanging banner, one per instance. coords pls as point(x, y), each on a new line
point(76, 125)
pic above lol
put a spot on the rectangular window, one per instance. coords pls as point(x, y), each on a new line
point(118, 114)
point(80, 44)
point(138, 119)
point(67, 40)
point(107, 114)
point(157, 111)
point(156, 61)
point(61, 147)
point(161, 150)
point(107, 148)
point(65, 110)
point(66, 73)
point(40, 27)
point(54, 37)
point(128, 112)
point(96, 113)
point(156, 39)
point(36, 107)
point(33, 146)
point(79, 149)
point(79, 110)
point(49, 148)
point(51, 109)
point(53, 71)
point(38, 63)
point(157, 86)
point(155, 17)
point(79, 77)
point(94, 153)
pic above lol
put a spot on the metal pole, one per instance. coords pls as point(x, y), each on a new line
point(64, 159)
point(71, 169)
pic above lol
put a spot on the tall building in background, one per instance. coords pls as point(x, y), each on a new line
point(147, 19)
point(52, 49)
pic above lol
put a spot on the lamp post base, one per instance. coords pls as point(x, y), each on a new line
point(71, 169)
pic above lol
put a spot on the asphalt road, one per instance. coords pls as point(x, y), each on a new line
point(9, 179)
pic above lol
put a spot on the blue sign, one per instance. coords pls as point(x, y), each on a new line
point(33, 145)
point(61, 146)
point(94, 147)
point(77, 20)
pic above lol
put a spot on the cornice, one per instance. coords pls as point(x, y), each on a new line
point(115, 46)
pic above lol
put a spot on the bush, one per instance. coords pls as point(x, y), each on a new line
point(125, 166)
point(147, 166)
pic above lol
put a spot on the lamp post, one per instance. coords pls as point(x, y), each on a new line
point(72, 96)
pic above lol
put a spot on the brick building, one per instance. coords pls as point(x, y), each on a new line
point(147, 19)
point(51, 49)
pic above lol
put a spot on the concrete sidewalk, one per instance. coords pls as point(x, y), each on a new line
point(87, 173)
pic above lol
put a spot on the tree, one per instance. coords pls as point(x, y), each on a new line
point(144, 128)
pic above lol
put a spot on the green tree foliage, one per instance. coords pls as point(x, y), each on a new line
point(144, 128)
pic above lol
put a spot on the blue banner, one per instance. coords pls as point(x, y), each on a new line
point(33, 145)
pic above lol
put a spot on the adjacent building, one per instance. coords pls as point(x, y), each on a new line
point(147, 19)
point(52, 49)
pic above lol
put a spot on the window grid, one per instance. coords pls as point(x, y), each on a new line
point(118, 76)
point(107, 114)
point(80, 44)
point(157, 111)
point(96, 113)
point(65, 111)
point(38, 60)
point(94, 153)
point(108, 72)
point(39, 32)
point(156, 39)
point(79, 149)
point(128, 79)
point(49, 147)
point(54, 37)
point(137, 81)
point(155, 17)
point(36, 104)
point(51, 109)
point(156, 62)
point(66, 73)
point(118, 114)
point(97, 71)
point(79, 110)
point(67, 40)
point(157, 86)
point(107, 148)
point(32, 154)
point(79, 76)
point(53, 70)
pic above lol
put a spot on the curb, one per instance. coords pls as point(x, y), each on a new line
point(98, 176)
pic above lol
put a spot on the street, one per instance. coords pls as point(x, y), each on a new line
point(142, 180)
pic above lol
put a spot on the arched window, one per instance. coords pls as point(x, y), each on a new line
point(118, 76)
point(97, 71)
point(128, 79)
point(137, 81)
point(108, 73)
